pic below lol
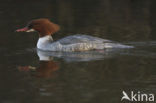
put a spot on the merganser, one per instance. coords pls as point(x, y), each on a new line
point(46, 28)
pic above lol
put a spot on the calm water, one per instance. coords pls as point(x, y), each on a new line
point(90, 77)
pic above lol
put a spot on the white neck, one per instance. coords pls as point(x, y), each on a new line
point(42, 41)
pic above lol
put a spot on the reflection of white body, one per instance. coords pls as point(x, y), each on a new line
point(44, 57)
point(79, 56)
point(76, 43)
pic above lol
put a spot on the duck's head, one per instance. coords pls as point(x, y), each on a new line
point(42, 26)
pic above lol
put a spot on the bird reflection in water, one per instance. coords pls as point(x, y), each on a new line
point(47, 67)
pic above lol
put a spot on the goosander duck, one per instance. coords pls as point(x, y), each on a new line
point(46, 28)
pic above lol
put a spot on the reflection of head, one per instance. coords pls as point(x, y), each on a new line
point(46, 65)
point(46, 68)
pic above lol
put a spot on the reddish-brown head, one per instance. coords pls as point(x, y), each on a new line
point(43, 26)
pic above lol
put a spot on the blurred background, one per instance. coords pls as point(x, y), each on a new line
point(122, 20)
point(126, 21)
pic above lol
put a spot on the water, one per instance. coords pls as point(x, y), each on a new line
point(90, 77)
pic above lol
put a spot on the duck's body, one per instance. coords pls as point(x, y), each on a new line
point(76, 43)
point(70, 43)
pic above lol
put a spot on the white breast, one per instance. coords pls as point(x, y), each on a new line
point(43, 42)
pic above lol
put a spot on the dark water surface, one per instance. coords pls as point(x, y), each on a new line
point(77, 77)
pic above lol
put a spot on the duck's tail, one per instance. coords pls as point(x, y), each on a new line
point(113, 46)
